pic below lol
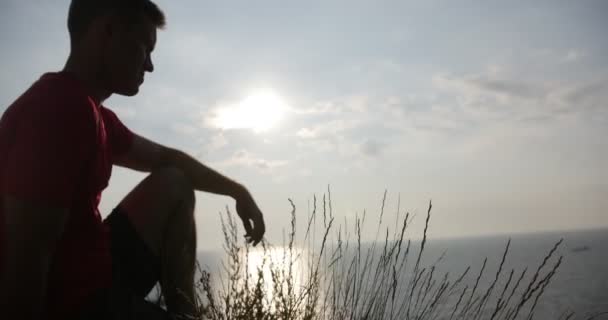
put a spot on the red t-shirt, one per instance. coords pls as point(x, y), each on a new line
point(56, 148)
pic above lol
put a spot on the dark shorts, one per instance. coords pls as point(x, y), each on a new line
point(135, 271)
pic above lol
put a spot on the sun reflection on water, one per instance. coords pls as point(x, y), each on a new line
point(281, 268)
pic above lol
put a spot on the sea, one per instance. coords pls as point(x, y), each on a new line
point(579, 284)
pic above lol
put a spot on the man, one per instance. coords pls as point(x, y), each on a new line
point(58, 143)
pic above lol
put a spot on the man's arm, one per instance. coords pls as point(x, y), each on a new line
point(31, 234)
point(145, 155)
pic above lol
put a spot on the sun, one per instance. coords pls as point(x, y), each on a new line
point(260, 111)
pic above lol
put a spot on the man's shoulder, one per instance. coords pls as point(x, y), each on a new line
point(54, 94)
point(58, 89)
point(52, 105)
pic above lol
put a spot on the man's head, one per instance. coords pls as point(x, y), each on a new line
point(117, 37)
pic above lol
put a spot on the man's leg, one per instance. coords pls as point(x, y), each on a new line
point(161, 209)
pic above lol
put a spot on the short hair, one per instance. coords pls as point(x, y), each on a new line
point(83, 12)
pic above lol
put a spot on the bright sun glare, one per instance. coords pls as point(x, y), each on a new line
point(277, 259)
point(260, 111)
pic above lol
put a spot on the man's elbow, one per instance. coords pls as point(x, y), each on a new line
point(167, 157)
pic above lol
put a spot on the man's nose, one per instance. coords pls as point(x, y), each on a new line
point(148, 65)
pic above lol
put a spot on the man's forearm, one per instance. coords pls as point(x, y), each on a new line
point(204, 178)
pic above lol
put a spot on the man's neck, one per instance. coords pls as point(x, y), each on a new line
point(89, 77)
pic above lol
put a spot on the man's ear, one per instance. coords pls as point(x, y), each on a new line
point(101, 29)
point(108, 26)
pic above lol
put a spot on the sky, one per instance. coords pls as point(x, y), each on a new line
point(497, 111)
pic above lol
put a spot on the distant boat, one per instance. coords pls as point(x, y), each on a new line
point(580, 249)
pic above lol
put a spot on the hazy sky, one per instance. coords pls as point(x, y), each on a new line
point(495, 110)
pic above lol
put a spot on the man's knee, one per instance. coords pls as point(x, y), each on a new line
point(175, 182)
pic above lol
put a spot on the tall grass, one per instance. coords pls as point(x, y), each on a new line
point(337, 276)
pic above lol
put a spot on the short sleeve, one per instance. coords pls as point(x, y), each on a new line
point(119, 135)
point(47, 159)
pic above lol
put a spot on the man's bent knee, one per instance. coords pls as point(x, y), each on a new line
point(166, 193)
point(173, 181)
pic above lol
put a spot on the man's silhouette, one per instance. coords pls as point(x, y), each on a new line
point(58, 142)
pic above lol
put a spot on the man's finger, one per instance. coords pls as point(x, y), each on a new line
point(259, 225)
point(255, 243)
point(248, 227)
point(258, 235)
point(257, 238)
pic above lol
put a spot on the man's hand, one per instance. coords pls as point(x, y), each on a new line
point(253, 221)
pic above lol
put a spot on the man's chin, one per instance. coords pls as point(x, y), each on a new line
point(129, 92)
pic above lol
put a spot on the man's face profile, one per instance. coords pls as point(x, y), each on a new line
point(126, 54)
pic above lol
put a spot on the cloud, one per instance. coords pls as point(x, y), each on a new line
point(184, 129)
point(510, 111)
point(505, 95)
point(506, 87)
point(246, 159)
point(124, 112)
point(574, 55)
point(307, 133)
point(217, 141)
point(330, 128)
point(319, 108)
point(489, 84)
point(350, 104)
point(330, 136)
point(558, 57)
point(372, 148)
point(593, 94)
